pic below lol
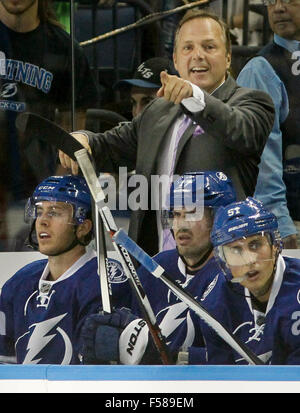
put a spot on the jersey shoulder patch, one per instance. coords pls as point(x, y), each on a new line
point(116, 272)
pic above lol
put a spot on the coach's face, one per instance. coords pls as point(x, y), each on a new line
point(284, 19)
point(200, 54)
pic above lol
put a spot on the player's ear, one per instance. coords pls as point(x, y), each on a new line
point(84, 228)
point(274, 252)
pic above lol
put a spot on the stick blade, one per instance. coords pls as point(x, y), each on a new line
point(34, 126)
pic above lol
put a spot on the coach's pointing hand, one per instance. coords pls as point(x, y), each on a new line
point(66, 161)
point(173, 88)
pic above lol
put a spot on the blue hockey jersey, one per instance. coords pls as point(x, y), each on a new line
point(40, 320)
point(177, 322)
point(274, 335)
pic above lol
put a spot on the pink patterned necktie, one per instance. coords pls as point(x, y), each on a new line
point(168, 239)
point(182, 128)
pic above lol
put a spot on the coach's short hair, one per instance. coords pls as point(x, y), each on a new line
point(203, 14)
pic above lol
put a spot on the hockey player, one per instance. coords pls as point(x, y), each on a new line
point(43, 306)
point(191, 264)
point(259, 294)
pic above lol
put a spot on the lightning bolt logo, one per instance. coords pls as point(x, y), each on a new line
point(9, 90)
point(113, 271)
point(174, 317)
point(116, 273)
point(39, 338)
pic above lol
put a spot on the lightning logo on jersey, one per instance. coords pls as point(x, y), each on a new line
point(116, 272)
point(41, 337)
point(175, 317)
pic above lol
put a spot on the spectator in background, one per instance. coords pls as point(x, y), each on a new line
point(142, 89)
point(36, 76)
point(255, 22)
point(145, 83)
point(272, 71)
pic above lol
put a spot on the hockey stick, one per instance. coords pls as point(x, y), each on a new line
point(34, 126)
point(157, 271)
point(89, 173)
point(103, 273)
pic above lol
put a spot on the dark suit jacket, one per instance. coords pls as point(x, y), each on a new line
point(236, 121)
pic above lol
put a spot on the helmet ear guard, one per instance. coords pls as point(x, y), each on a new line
point(29, 211)
point(276, 240)
point(31, 240)
point(81, 214)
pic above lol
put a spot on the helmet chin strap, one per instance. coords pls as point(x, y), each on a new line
point(202, 260)
point(198, 263)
